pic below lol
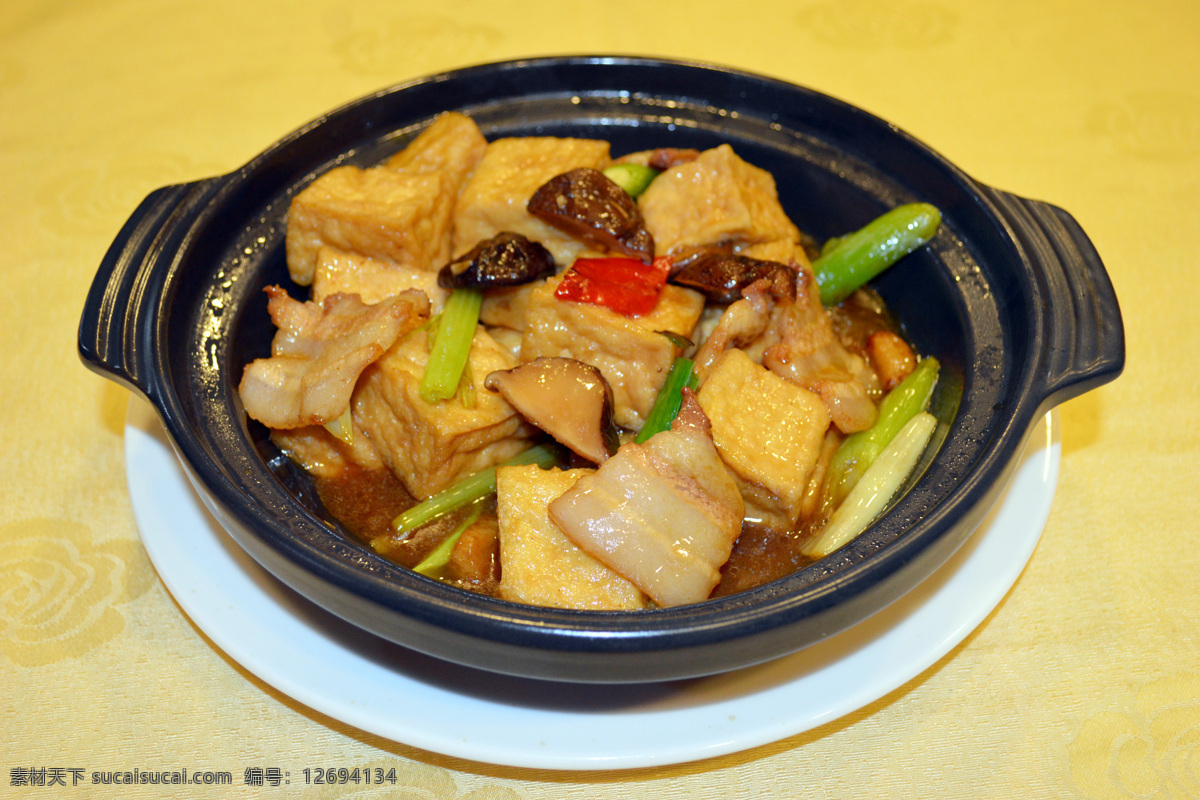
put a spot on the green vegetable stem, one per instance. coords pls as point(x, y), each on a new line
point(439, 557)
point(468, 490)
point(859, 450)
point(633, 178)
point(669, 399)
point(450, 344)
point(860, 256)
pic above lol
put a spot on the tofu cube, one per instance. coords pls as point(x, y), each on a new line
point(630, 352)
point(371, 279)
point(494, 197)
point(539, 565)
point(380, 212)
point(768, 431)
point(716, 199)
point(427, 445)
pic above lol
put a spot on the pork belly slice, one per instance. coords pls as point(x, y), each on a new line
point(630, 352)
point(429, 446)
point(538, 563)
point(716, 199)
point(769, 433)
point(495, 196)
point(664, 514)
point(371, 279)
point(319, 352)
point(807, 352)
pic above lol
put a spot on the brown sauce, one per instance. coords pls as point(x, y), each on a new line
point(366, 502)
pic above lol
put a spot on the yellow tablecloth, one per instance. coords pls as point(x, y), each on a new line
point(1084, 681)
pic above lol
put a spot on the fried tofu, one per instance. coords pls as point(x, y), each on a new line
point(372, 279)
point(768, 431)
point(429, 446)
point(451, 145)
point(400, 212)
point(717, 199)
point(494, 197)
point(539, 565)
point(379, 212)
point(630, 352)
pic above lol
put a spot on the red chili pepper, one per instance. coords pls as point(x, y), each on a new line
point(625, 285)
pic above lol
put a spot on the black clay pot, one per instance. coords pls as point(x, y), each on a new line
point(1010, 296)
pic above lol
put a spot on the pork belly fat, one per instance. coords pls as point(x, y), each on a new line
point(539, 564)
point(768, 431)
point(664, 514)
point(494, 198)
point(319, 352)
point(431, 445)
point(629, 351)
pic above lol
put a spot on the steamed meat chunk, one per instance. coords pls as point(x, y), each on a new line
point(742, 322)
point(540, 565)
point(716, 199)
point(807, 351)
point(664, 514)
point(495, 196)
point(429, 446)
point(769, 433)
point(319, 352)
point(371, 279)
point(451, 145)
point(631, 353)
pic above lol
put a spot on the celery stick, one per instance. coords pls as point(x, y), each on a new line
point(858, 450)
point(450, 345)
point(860, 256)
point(439, 557)
point(669, 399)
point(468, 490)
point(876, 488)
point(633, 178)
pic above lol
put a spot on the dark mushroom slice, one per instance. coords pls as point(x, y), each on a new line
point(507, 259)
point(568, 399)
point(723, 276)
point(667, 157)
point(588, 205)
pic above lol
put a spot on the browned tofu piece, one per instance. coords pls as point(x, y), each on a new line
point(629, 351)
point(324, 455)
point(380, 212)
point(431, 445)
point(507, 306)
point(512, 169)
point(768, 431)
point(371, 279)
point(451, 145)
point(539, 565)
point(716, 199)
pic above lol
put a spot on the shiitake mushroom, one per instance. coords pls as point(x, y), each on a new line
point(506, 259)
point(588, 205)
point(722, 276)
point(568, 399)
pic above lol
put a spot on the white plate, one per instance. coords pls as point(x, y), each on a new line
point(382, 688)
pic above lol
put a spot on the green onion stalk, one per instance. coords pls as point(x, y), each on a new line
point(858, 257)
